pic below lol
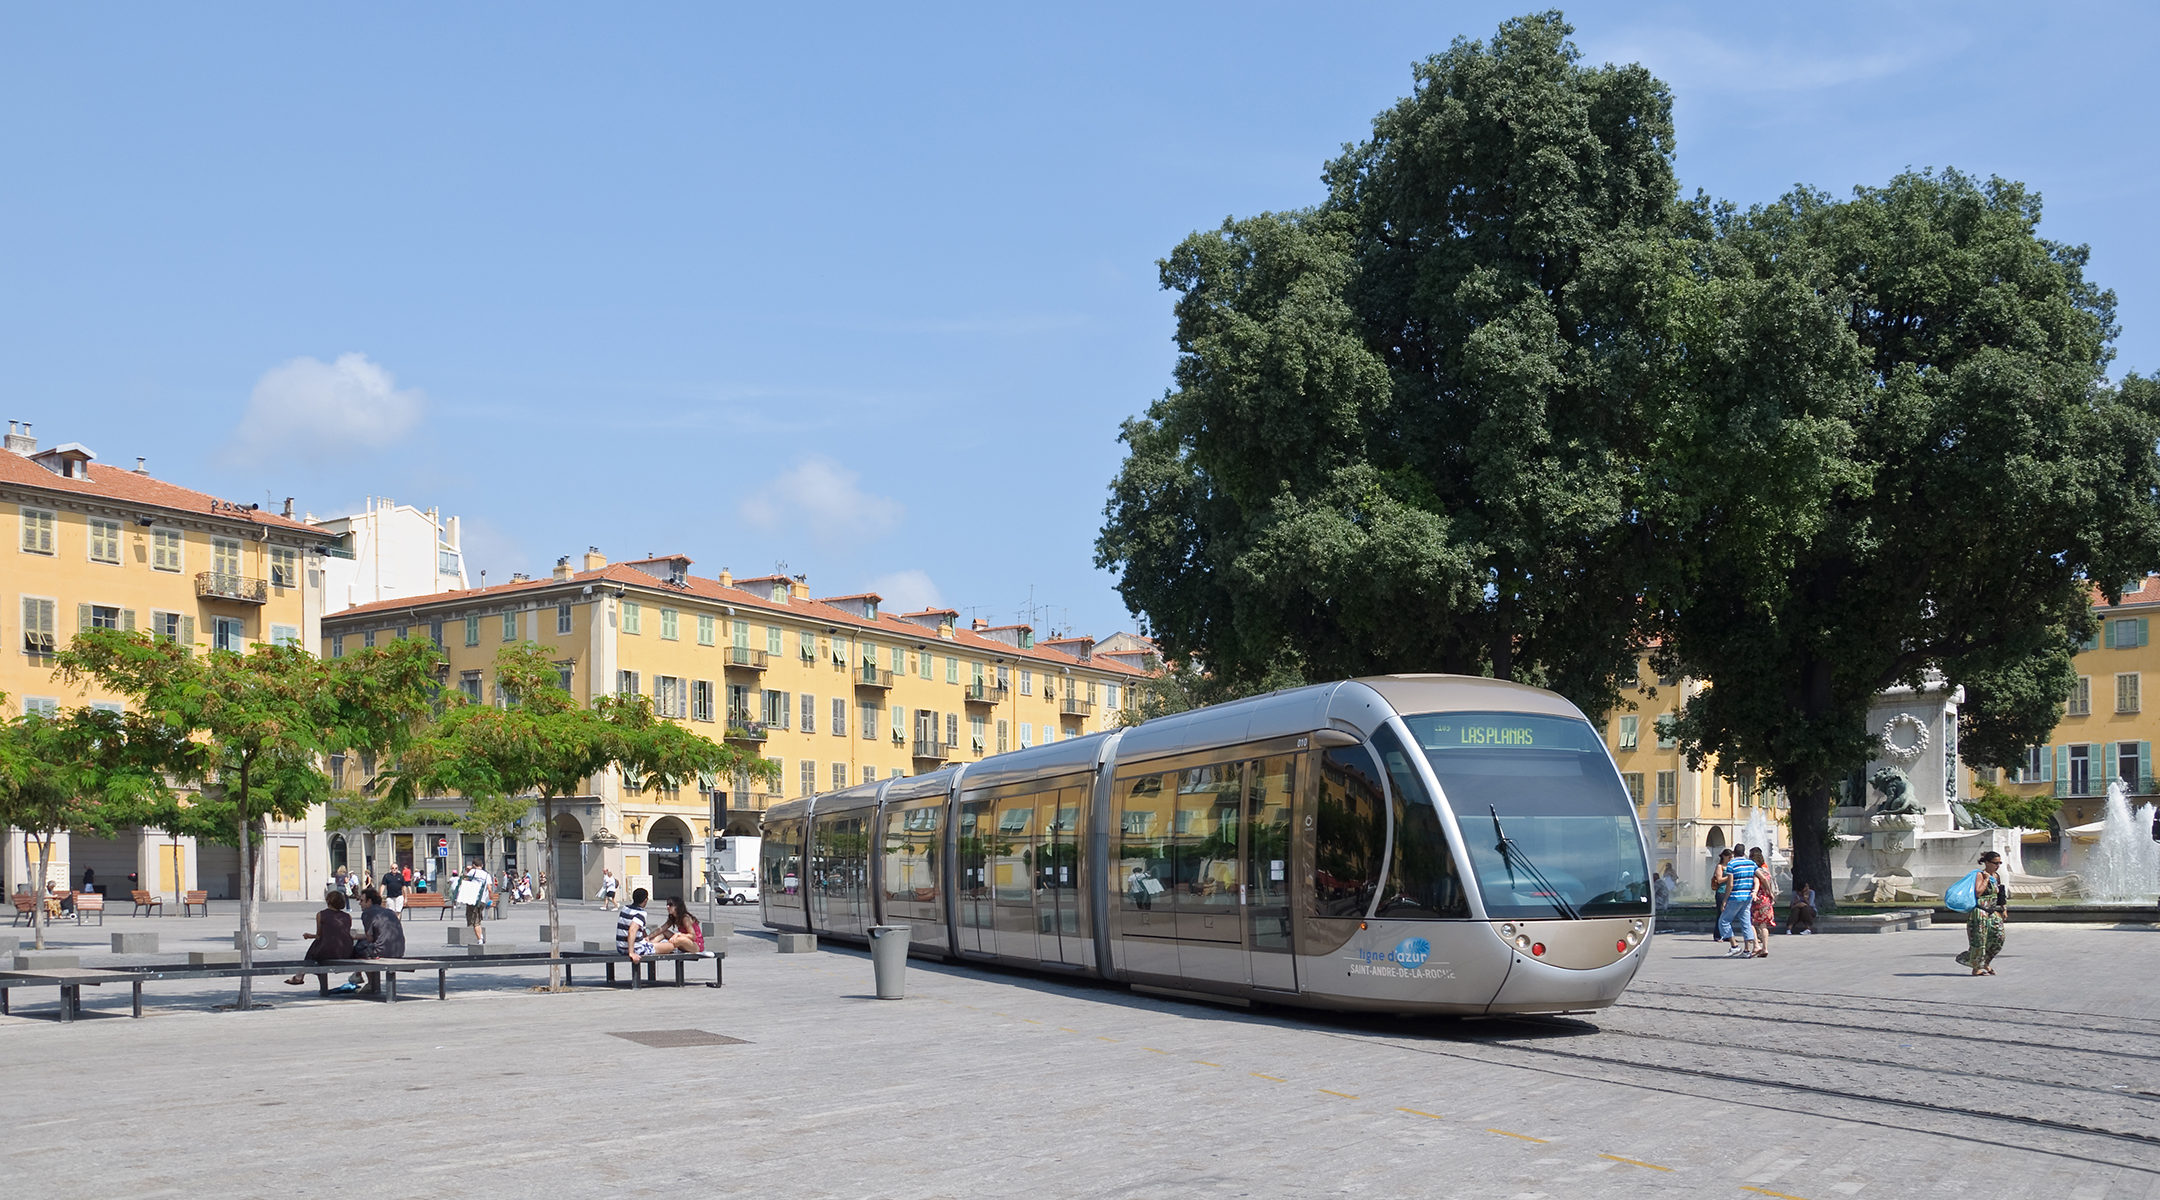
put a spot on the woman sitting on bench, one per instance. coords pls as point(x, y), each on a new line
point(333, 937)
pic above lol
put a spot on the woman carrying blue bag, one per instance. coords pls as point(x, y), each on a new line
point(1987, 899)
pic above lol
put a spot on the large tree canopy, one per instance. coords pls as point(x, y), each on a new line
point(1404, 422)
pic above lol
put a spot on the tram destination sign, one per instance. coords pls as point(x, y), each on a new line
point(1498, 731)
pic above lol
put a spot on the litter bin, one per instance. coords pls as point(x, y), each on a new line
point(888, 959)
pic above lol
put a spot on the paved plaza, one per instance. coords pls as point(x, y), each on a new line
point(1841, 1066)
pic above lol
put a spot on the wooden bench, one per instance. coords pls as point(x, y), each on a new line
point(435, 900)
point(145, 902)
point(25, 908)
point(195, 900)
point(88, 904)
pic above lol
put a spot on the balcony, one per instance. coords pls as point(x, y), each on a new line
point(985, 693)
point(871, 677)
point(932, 750)
point(217, 585)
point(1075, 708)
point(743, 658)
point(741, 727)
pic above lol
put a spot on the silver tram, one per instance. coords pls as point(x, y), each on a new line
point(1407, 843)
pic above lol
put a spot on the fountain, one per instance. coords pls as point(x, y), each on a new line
point(1760, 831)
point(2126, 863)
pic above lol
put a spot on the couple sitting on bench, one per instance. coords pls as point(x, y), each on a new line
point(681, 934)
point(383, 936)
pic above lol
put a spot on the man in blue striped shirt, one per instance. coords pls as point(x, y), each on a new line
point(1735, 922)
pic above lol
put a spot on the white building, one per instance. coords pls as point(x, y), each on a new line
point(397, 552)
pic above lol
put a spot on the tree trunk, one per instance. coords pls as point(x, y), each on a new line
point(547, 831)
point(1810, 853)
point(249, 903)
point(37, 897)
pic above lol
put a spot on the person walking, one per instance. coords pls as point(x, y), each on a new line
point(393, 890)
point(472, 892)
point(1739, 904)
point(1984, 924)
point(607, 888)
point(1762, 913)
point(1720, 889)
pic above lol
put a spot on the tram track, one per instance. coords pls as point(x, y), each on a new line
point(2053, 1020)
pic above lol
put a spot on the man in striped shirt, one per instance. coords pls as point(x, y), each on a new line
point(633, 936)
point(1740, 873)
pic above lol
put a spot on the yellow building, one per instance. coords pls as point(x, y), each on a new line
point(1687, 815)
point(835, 690)
point(2105, 733)
point(92, 546)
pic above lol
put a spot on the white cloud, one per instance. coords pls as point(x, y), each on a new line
point(907, 591)
point(308, 405)
point(822, 500)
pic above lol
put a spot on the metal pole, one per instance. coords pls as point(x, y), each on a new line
point(712, 874)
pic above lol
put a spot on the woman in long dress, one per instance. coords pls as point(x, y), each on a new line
point(1984, 924)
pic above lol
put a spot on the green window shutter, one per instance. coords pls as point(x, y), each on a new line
point(2145, 767)
point(82, 617)
point(2047, 763)
point(2143, 631)
point(2062, 770)
point(2107, 634)
point(127, 619)
point(187, 632)
point(2108, 766)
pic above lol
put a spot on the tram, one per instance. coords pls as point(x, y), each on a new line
point(1424, 844)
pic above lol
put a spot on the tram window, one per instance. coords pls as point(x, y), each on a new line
point(1144, 868)
point(1271, 792)
point(1351, 835)
point(1422, 880)
point(1012, 852)
point(1206, 827)
point(911, 861)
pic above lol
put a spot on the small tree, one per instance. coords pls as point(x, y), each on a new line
point(492, 818)
point(357, 812)
point(544, 744)
point(178, 817)
point(86, 770)
point(252, 731)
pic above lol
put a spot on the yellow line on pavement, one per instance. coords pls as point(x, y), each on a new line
point(1415, 1112)
point(1205, 1063)
point(1634, 1162)
point(1065, 1029)
point(1767, 1192)
point(1258, 1075)
point(1101, 1038)
point(1523, 1136)
point(1031, 1020)
point(1153, 1050)
point(1344, 1095)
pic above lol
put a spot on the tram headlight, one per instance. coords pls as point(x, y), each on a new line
point(1522, 941)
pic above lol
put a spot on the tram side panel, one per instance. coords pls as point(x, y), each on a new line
point(781, 901)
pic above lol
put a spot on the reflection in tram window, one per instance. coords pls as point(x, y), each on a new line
point(911, 863)
point(975, 840)
point(1011, 851)
point(1271, 791)
point(1352, 834)
point(1205, 862)
point(1422, 881)
point(1142, 864)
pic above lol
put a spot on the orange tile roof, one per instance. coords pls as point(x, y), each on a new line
point(126, 487)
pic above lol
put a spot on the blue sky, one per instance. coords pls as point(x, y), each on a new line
point(865, 289)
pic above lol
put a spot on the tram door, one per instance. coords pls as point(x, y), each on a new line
point(1057, 875)
point(1270, 797)
point(1207, 826)
point(975, 831)
point(1012, 854)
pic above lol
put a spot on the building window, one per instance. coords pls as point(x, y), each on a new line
point(952, 729)
point(809, 713)
point(1004, 738)
point(2035, 764)
point(1630, 732)
point(39, 635)
point(899, 723)
point(509, 627)
point(1004, 678)
point(839, 776)
point(1668, 787)
point(1743, 788)
point(975, 733)
point(165, 550)
point(869, 774)
point(2127, 633)
point(701, 700)
point(632, 617)
point(2130, 765)
point(284, 567)
point(562, 617)
point(446, 560)
point(1633, 780)
point(670, 625)
point(739, 635)
point(922, 665)
point(869, 722)
point(472, 630)
point(285, 635)
point(1666, 739)
point(2126, 692)
point(39, 530)
point(563, 675)
point(670, 698)
point(40, 706)
point(1027, 688)
point(1027, 735)
point(626, 683)
point(2081, 770)
point(225, 558)
point(1113, 697)
point(104, 541)
point(469, 683)
point(100, 616)
point(839, 718)
point(337, 640)
point(2081, 697)
point(434, 634)
point(809, 778)
point(367, 639)
point(705, 629)
point(899, 660)
point(952, 669)
point(229, 634)
point(772, 640)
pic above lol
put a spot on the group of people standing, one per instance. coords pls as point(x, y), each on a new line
point(1746, 891)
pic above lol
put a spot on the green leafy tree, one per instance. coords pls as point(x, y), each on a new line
point(1408, 424)
point(250, 733)
point(1889, 454)
point(84, 771)
point(2011, 810)
point(491, 819)
point(543, 744)
point(178, 816)
point(357, 811)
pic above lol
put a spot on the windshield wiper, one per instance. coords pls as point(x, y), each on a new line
point(1511, 854)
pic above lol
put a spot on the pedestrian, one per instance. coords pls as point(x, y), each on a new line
point(382, 935)
point(1984, 924)
point(631, 935)
point(332, 937)
point(680, 933)
point(89, 880)
point(393, 890)
point(1763, 914)
point(607, 888)
point(1720, 885)
point(406, 871)
point(472, 892)
point(1803, 910)
point(1739, 904)
point(1661, 889)
point(542, 893)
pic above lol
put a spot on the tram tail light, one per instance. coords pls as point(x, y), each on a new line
point(1620, 947)
point(1537, 949)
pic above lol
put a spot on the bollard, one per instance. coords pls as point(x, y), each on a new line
point(567, 933)
point(9, 945)
point(461, 935)
point(38, 960)
point(134, 943)
point(888, 960)
point(265, 939)
point(213, 958)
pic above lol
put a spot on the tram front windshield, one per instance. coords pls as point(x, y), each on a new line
point(1573, 845)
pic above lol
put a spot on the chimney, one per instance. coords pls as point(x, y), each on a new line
point(288, 500)
point(727, 578)
point(800, 589)
point(142, 467)
point(980, 625)
point(562, 567)
point(594, 560)
point(19, 440)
